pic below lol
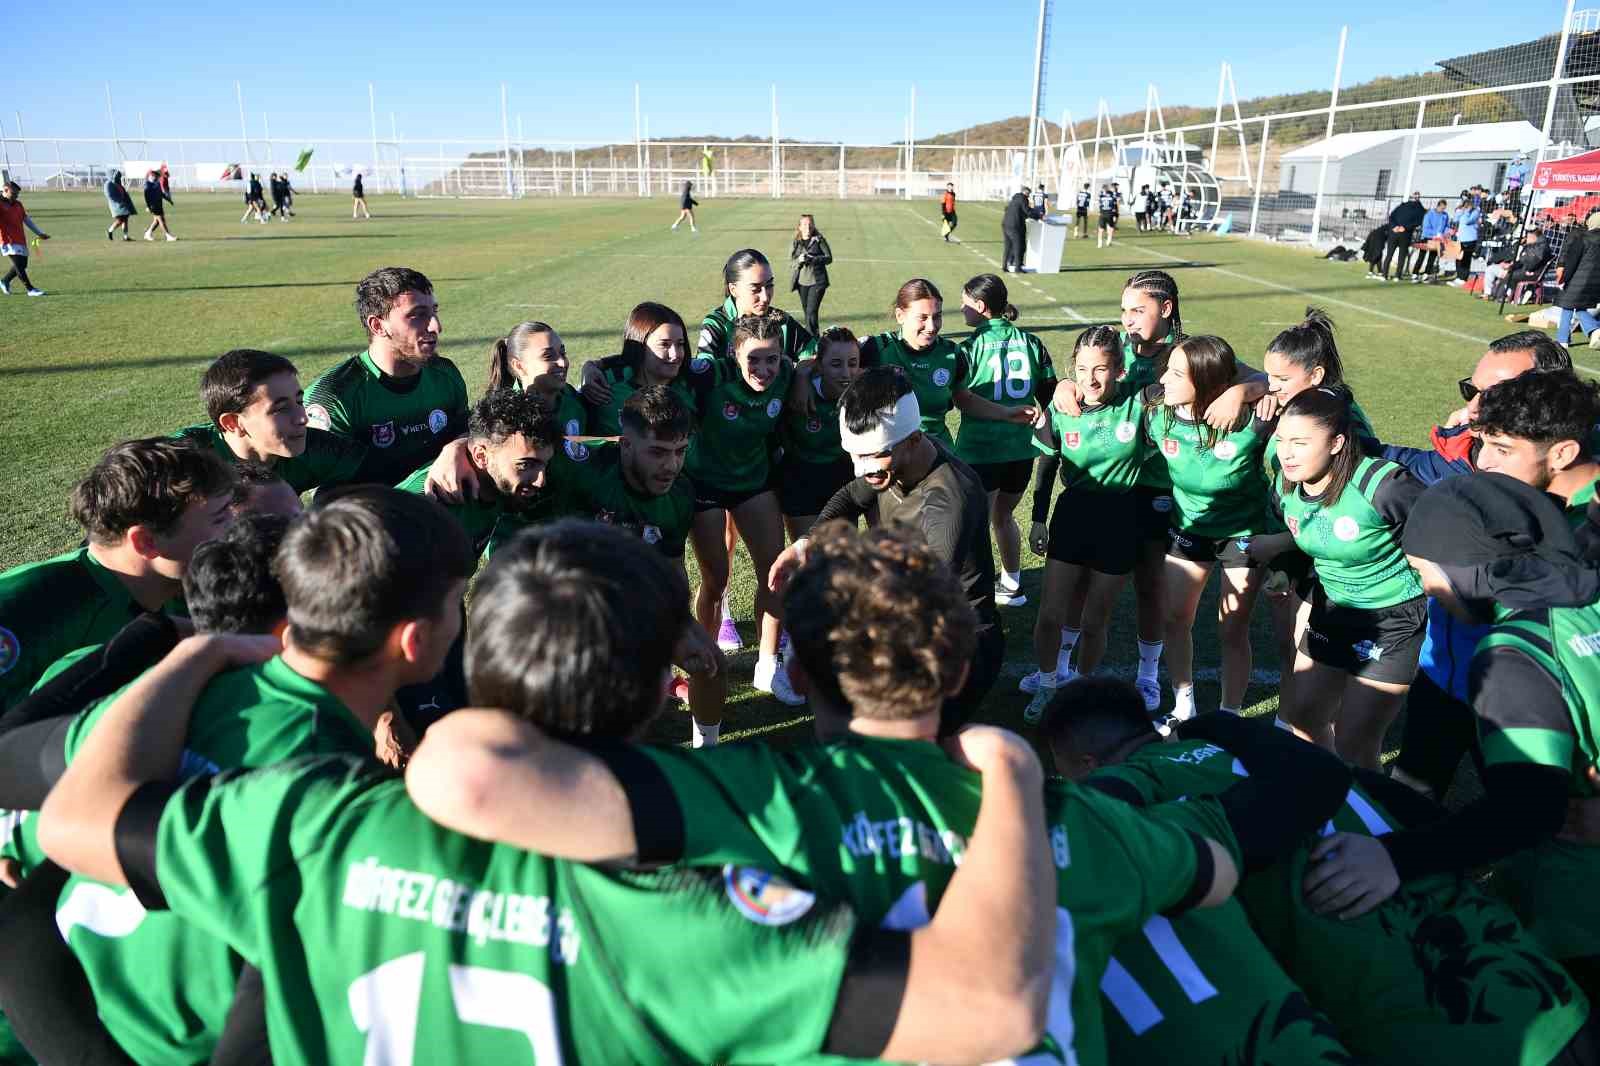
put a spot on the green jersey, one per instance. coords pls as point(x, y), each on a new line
point(52, 607)
point(162, 986)
point(1354, 542)
point(934, 375)
point(737, 426)
point(570, 414)
point(1010, 367)
point(587, 481)
point(1102, 449)
point(381, 936)
point(1535, 685)
point(1219, 488)
point(813, 438)
point(1440, 973)
point(1578, 506)
point(625, 380)
point(478, 515)
point(883, 823)
point(1142, 371)
point(328, 459)
point(1358, 422)
point(403, 422)
point(716, 334)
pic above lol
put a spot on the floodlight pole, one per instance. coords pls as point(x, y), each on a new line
point(372, 113)
point(1333, 104)
point(1038, 92)
point(505, 141)
point(1555, 87)
point(244, 131)
point(23, 138)
point(1216, 121)
point(777, 176)
point(911, 141)
point(638, 144)
point(111, 112)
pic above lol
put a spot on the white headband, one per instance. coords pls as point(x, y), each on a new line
point(894, 425)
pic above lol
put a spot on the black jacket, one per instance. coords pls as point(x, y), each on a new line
point(1409, 214)
point(1580, 275)
point(153, 197)
point(1017, 213)
point(1532, 259)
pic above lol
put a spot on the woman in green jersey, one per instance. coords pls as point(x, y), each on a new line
point(1219, 500)
point(738, 403)
point(933, 363)
point(1092, 541)
point(533, 357)
point(814, 464)
point(654, 350)
point(1007, 377)
point(1347, 511)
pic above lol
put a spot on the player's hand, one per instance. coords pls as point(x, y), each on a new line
point(802, 398)
point(1267, 407)
point(989, 749)
point(42, 236)
point(1039, 538)
point(788, 561)
point(1458, 417)
point(452, 478)
point(696, 653)
point(1067, 399)
point(592, 385)
point(1349, 875)
point(10, 872)
point(393, 740)
point(224, 651)
point(1226, 410)
point(1583, 816)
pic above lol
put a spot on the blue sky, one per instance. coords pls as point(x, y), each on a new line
point(843, 69)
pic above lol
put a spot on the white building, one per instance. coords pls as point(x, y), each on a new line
point(1375, 163)
point(1476, 155)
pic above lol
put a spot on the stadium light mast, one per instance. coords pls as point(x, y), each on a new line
point(1038, 87)
point(111, 112)
point(372, 113)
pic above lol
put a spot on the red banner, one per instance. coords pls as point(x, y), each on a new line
point(1581, 173)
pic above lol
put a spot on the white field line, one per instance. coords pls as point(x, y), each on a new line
point(1021, 278)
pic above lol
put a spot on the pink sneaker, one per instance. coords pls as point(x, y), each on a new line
point(728, 636)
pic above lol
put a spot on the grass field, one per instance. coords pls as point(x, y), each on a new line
point(117, 348)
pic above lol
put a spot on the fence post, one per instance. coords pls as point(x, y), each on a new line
point(1261, 175)
point(841, 172)
point(1555, 88)
point(1416, 141)
point(1333, 104)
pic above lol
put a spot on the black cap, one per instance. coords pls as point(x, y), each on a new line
point(1497, 538)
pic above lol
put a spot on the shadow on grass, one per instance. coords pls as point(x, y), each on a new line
point(300, 237)
point(244, 286)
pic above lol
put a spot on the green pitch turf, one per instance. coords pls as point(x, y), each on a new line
point(117, 348)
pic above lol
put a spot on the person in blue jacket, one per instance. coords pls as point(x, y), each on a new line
point(1467, 216)
point(1434, 226)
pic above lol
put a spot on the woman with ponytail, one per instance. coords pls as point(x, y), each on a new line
point(533, 358)
point(654, 350)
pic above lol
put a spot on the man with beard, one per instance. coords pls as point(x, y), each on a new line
point(905, 477)
point(399, 397)
point(1536, 428)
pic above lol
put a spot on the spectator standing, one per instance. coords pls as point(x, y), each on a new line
point(1013, 231)
point(1579, 277)
point(1516, 178)
point(13, 241)
point(121, 205)
point(155, 200)
point(1141, 208)
point(810, 255)
point(1468, 215)
point(1403, 223)
point(1434, 225)
point(359, 192)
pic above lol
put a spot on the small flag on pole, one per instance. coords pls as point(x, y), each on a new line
point(305, 158)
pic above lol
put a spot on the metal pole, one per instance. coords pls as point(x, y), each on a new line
point(143, 139)
point(23, 137)
point(372, 113)
point(574, 169)
point(776, 179)
point(1416, 140)
point(111, 112)
point(244, 131)
point(841, 172)
point(649, 186)
point(1038, 87)
point(1555, 87)
point(638, 145)
point(266, 128)
point(1261, 174)
point(911, 142)
point(1333, 104)
point(505, 141)
point(5, 153)
point(1216, 121)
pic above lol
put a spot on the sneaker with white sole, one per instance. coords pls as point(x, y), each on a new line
point(1166, 724)
point(5, 288)
point(35, 292)
point(170, 237)
point(773, 679)
point(1030, 683)
point(1149, 691)
point(728, 636)
point(1005, 596)
point(1036, 706)
point(148, 237)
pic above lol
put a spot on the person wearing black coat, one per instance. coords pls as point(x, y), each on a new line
point(121, 205)
point(1013, 231)
point(1528, 263)
point(1403, 223)
point(154, 194)
point(686, 205)
point(810, 256)
point(1579, 277)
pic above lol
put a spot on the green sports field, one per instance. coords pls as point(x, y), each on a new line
point(117, 348)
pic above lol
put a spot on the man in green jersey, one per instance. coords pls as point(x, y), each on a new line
point(1440, 974)
point(258, 415)
point(400, 399)
point(354, 905)
point(1536, 428)
point(373, 582)
point(876, 814)
point(511, 439)
point(144, 507)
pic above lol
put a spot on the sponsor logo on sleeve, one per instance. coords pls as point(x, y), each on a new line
point(437, 420)
point(1293, 522)
point(730, 411)
point(651, 534)
point(1072, 439)
point(700, 364)
point(1169, 447)
point(573, 429)
point(317, 416)
point(383, 434)
point(765, 898)
point(576, 451)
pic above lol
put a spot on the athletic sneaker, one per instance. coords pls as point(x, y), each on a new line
point(772, 678)
point(147, 236)
point(1030, 684)
point(170, 237)
point(5, 288)
point(35, 292)
point(1456, 283)
point(1035, 709)
point(728, 636)
point(1166, 724)
point(1150, 691)
point(110, 232)
point(1006, 596)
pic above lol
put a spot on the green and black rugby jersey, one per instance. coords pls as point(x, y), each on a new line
point(1102, 449)
point(934, 375)
point(1010, 367)
point(1219, 488)
point(716, 334)
point(328, 459)
point(605, 420)
point(587, 481)
point(737, 426)
point(403, 422)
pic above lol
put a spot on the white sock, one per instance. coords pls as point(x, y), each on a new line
point(1011, 579)
point(766, 662)
point(1149, 660)
point(705, 736)
point(726, 613)
point(1069, 638)
point(1183, 701)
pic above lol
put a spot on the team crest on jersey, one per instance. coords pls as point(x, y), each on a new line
point(813, 425)
point(730, 411)
point(1161, 504)
point(1293, 522)
point(437, 420)
point(10, 650)
point(317, 416)
point(651, 534)
point(383, 434)
point(765, 898)
point(576, 451)
point(773, 407)
point(1125, 431)
point(1059, 851)
point(1072, 439)
point(1346, 528)
point(941, 377)
point(700, 363)
point(1225, 450)
point(1169, 447)
point(573, 428)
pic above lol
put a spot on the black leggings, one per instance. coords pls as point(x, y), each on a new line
point(1464, 261)
point(1015, 242)
point(19, 269)
point(811, 303)
point(1439, 731)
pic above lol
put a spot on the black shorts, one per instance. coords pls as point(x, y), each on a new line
point(805, 488)
point(1098, 530)
point(158, 212)
point(711, 498)
point(1083, 212)
point(1229, 551)
point(1374, 643)
point(1154, 513)
point(1010, 477)
point(1108, 221)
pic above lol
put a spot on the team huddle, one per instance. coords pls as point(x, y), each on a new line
point(280, 790)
